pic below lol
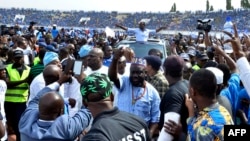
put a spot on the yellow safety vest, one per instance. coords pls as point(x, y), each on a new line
point(20, 92)
point(196, 67)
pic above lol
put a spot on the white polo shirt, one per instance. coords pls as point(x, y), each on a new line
point(141, 35)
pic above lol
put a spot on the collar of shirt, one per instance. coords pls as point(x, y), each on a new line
point(154, 76)
point(210, 108)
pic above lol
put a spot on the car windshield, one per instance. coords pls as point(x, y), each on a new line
point(141, 49)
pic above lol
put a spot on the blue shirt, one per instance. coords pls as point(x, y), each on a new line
point(63, 128)
point(146, 107)
point(107, 62)
point(231, 92)
point(243, 95)
point(54, 33)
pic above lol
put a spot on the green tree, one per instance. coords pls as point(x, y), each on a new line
point(229, 5)
point(245, 4)
point(207, 6)
point(173, 8)
point(211, 8)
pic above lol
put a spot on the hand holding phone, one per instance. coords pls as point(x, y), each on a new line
point(77, 69)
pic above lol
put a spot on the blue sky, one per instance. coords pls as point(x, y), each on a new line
point(117, 5)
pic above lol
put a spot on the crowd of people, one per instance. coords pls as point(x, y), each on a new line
point(175, 21)
point(117, 96)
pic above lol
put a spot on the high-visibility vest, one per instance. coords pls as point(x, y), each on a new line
point(20, 92)
point(196, 67)
point(36, 60)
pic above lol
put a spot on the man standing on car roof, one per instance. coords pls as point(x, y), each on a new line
point(141, 33)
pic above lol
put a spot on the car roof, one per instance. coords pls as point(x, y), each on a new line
point(141, 49)
point(150, 40)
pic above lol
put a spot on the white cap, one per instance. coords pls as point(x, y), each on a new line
point(54, 24)
point(218, 74)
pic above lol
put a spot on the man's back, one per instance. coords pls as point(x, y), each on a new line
point(116, 125)
point(174, 101)
point(62, 128)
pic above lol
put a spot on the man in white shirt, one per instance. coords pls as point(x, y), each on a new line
point(3, 88)
point(38, 82)
point(95, 61)
point(141, 33)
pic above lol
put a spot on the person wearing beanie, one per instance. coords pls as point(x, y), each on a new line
point(155, 76)
point(96, 90)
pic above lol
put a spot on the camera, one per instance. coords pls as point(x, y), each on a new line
point(204, 25)
point(42, 29)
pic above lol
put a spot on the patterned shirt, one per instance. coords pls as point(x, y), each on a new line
point(208, 125)
point(159, 82)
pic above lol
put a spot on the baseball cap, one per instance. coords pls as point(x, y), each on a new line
point(184, 56)
point(191, 52)
point(96, 87)
point(201, 56)
point(18, 53)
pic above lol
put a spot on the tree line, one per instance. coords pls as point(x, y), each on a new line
point(243, 3)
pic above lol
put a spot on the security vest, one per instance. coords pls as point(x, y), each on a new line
point(20, 92)
point(196, 67)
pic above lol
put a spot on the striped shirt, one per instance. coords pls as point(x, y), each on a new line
point(35, 70)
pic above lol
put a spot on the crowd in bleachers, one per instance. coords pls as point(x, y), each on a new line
point(101, 19)
point(55, 83)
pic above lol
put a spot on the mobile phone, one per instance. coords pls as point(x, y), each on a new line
point(69, 65)
point(77, 69)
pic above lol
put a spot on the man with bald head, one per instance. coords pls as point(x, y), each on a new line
point(95, 61)
point(51, 106)
point(38, 82)
point(71, 48)
point(44, 119)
